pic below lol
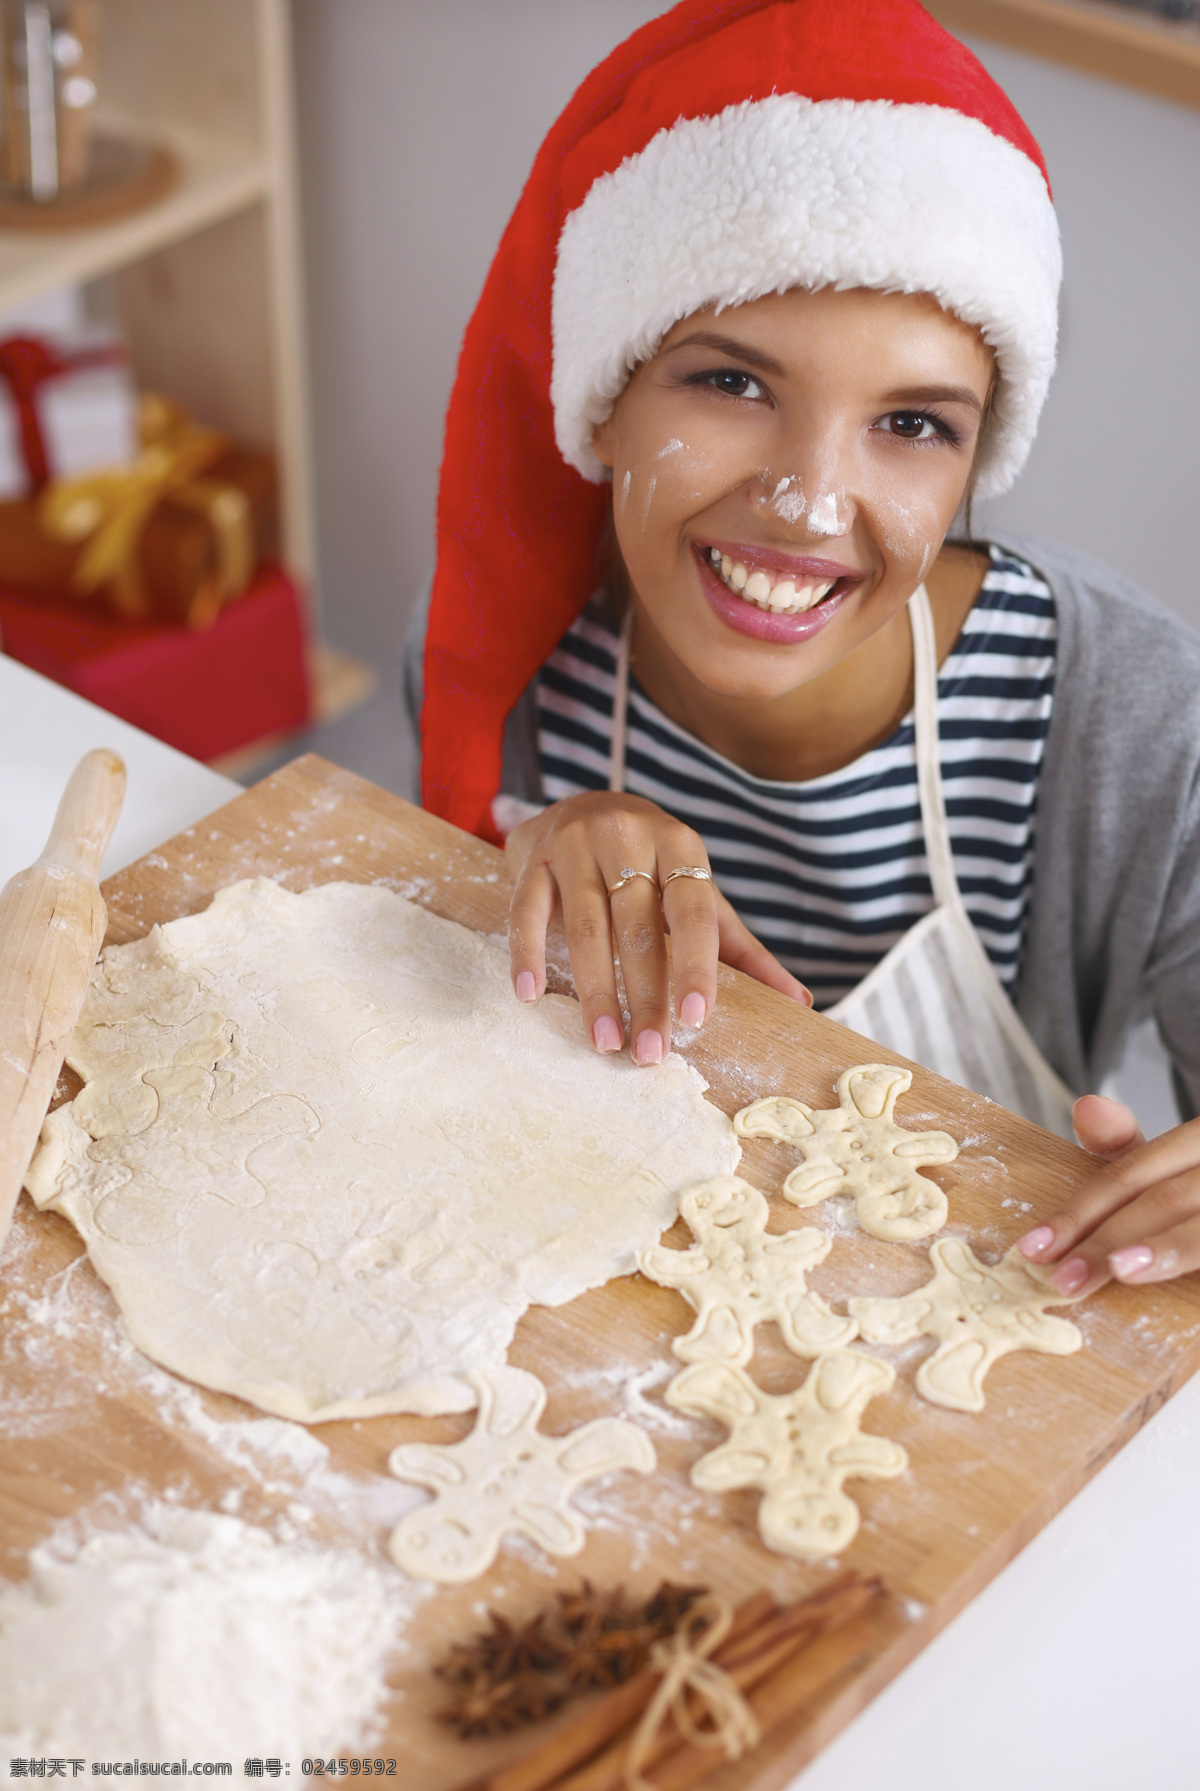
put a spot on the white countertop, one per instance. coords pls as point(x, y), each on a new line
point(1074, 1671)
point(45, 731)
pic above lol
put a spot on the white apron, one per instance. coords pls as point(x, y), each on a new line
point(935, 997)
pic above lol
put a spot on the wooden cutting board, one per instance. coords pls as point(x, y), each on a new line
point(82, 1415)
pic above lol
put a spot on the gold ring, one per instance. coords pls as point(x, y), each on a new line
point(627, 876)
point(689, 870)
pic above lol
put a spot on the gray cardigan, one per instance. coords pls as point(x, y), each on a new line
point(1114, 922)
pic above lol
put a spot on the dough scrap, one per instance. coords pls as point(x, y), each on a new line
point(325, 1160)
point(736, 1277)
point(505, 1478)
point(857, 1148)
point(977, 1314)
point(798, 1447)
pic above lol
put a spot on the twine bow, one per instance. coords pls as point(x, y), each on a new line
point(108, 510)
point(683, 1661)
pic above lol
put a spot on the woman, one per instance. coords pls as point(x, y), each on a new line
point(778, 299)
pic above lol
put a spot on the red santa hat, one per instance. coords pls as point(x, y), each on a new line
point(729, 149)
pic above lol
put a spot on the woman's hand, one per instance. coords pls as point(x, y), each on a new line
point(1137, 1219)
point(566, 860)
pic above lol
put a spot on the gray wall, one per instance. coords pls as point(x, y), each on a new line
point(418, 122)
point(1115, 469)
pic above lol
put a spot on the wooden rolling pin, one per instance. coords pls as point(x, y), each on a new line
point(52, 921)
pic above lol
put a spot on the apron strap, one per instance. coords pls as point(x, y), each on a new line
point(929, 770)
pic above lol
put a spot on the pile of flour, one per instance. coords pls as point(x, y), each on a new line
point(193, 1633)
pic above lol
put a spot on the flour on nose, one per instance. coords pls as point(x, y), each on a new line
point(823, 517)
point(788, 500)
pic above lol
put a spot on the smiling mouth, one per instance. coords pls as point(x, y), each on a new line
point(780, 596)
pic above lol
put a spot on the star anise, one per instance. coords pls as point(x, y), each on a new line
point(607, 1658)
point(481, 1707)
point(497, 1652)
point(513, 1674)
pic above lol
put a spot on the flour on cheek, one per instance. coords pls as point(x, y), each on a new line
point(909, 526)
point(682, 474)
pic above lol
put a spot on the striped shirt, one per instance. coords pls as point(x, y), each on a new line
point(829, 873)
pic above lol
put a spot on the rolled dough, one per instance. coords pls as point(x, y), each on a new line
point(325, 1160)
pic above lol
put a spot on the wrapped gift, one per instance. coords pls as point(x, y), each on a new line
point(66, 406)
point(174, 534)
point(207, 693)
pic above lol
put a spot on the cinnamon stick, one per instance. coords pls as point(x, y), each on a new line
point(785, 1623)
point(780, 1695)
point(617, 1710)
point(606, 1772)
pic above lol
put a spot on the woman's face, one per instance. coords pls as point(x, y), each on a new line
point(784, 473)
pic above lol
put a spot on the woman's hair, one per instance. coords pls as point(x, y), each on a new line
point(965, 509)
point(613, 589)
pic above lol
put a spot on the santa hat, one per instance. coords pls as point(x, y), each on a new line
point(729, 149)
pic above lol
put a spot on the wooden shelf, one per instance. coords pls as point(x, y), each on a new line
point(216, 181)
point(207, 281)
point(1135, 49)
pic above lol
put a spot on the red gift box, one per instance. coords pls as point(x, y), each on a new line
point(206, 693)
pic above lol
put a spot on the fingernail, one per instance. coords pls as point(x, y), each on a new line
point(1134, 1259)
point(693, 1010)
point(1037, 1241)
point(649, 1046)
point(1070, 1276)
point(526, 986)
point(606, 1034)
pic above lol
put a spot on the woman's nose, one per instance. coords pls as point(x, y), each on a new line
point(818, 503)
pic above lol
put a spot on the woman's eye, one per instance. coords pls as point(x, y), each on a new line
point(729, 380)
point(913, 425)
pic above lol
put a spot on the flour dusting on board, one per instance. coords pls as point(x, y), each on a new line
point(49, 1389)
point(191, 1634)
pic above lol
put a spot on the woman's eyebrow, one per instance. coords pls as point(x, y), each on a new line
point(917, 396)
point(729, 345)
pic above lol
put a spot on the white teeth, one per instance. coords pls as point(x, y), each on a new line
point(782, 598)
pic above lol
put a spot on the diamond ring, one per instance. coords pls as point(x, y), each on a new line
point(627, 876)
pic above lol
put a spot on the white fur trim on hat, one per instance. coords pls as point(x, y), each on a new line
point(789, 191)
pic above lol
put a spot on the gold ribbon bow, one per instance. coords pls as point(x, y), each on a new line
point(683, 1662)
point(108, 510)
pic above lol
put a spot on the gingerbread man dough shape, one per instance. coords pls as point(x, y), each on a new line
point(736, 1277)
point(977, 1314)
point(798, 1447)
point(505, 1478)
point(857, 1148)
